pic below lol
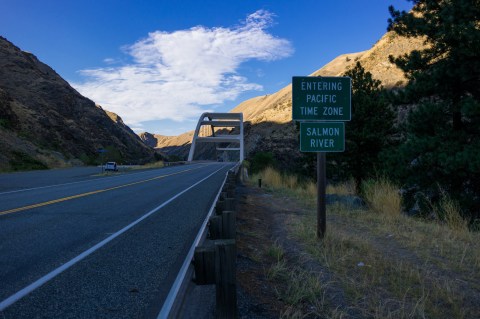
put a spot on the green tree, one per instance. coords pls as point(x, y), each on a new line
point(369, 131)
point(262, 160)
point(441, 150)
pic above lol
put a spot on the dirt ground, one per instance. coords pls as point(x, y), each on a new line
point(261, 222)
point(381, 261)
point(264, 222)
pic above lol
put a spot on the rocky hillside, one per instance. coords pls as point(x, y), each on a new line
point(268, 118)
point(169, 145)
point(44, 122)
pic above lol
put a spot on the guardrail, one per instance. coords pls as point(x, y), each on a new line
point(212, 256)
point(215, 259)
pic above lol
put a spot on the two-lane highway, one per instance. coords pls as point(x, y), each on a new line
point(94, 247)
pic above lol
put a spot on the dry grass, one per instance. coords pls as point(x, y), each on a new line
point(385, 275)
point(271, 178)
point(299, 288)
point(275, 180)
point(383, 197)
point(158, 164)
point(347, 188)
point(307, 190)
point(388, 265)
point(449, 211)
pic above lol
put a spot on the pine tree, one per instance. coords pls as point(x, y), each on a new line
point(367, 134)
point(441, 152)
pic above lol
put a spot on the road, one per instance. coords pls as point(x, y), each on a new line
point(73, 245)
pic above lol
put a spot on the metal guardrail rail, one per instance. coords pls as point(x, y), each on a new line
point(174, 299)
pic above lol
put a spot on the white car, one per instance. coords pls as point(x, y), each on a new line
point(111, 166)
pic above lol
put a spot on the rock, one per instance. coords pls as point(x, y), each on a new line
point(351, 201)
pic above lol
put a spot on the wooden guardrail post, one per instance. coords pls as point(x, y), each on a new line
point(230, 190)
point(215, 226)
point(225, 279)
point(204, 263)
point(229, 204)
point(229, 229)
point(215, 262)
point(222, 226)
point(220, 207)
point(231, 177)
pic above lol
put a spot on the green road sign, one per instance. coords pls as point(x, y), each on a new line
point(322, 136)
point(321, 98)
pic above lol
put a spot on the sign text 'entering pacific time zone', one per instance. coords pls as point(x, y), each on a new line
point(321, 98)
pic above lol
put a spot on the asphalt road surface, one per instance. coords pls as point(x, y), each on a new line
point(75, 245)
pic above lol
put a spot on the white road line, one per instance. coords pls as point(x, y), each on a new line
point(172, 295)
point(28, 289)
point(72, 183)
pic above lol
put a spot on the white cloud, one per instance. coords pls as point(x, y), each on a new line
point(178, 75)
point(110, 61)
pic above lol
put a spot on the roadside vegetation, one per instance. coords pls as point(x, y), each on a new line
point(374, 262)
point(158, 164)
point(412, 249)
point(24, 162)
point(424, 136)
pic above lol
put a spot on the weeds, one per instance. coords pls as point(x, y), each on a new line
point(306, 190)
point(278, 270)
point(449, 211)
point(383, 197)
point(402, 268)
point(276, 252)
point(158, 164)
point(378, 282)
point(347, 188)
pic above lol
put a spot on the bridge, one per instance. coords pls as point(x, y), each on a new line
point(220, 128)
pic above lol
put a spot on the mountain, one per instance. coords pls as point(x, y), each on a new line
point(169, 145)
point(44, 122)
point(268, 118)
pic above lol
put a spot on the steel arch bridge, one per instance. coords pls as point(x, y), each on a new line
point(209, 129)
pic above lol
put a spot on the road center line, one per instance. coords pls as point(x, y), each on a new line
point(72, 183)
point(63, 199)
point(28, 289)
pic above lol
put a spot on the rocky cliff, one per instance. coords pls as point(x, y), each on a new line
point(43, 120)
point(268, 124)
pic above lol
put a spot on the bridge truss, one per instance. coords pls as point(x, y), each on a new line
point(221, 129)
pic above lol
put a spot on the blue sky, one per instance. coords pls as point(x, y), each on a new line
point(160, 64)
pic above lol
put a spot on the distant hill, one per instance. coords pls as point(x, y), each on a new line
point(268, 124)
point(44, 122)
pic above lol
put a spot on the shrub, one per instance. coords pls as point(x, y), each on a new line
point(261, 161)
point(5, 123)
point(24, 162)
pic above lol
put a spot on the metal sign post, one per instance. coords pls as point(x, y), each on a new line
point(321, 197)
point(102, 151)
point(322, 105)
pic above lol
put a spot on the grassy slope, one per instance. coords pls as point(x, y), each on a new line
point(370, 265)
